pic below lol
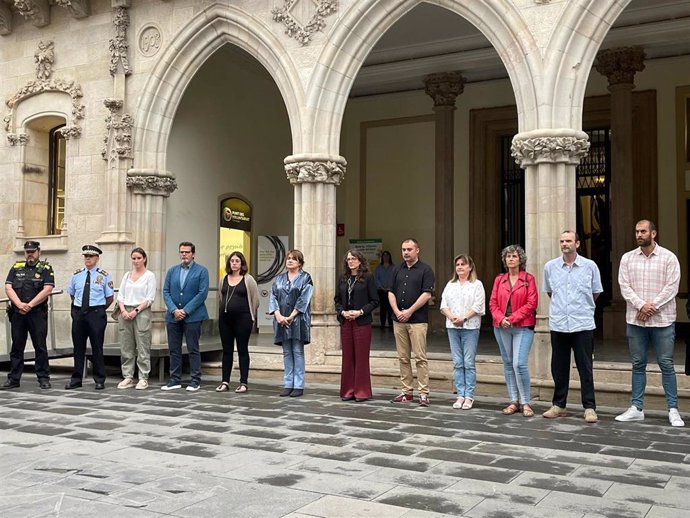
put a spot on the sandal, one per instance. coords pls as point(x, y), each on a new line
point(468, 403)
point(223, 387)
point(511, 408)
point(241, 388)
point(527, 411)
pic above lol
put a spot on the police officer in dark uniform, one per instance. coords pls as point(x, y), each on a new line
point(28, 287)
point(91, 289)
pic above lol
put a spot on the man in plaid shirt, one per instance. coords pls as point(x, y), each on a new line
point(649, 277)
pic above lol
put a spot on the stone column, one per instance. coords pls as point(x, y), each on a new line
point(444, 89)
point(149, 191)
point(549, 158)
point(315, 178)
point(619, 66)
point(20, 140)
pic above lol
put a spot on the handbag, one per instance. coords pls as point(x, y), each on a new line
point(115, 314)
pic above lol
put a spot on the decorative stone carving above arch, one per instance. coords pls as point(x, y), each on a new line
point(5, 20)
point(77, 8)
point(303, 29)
point(36, 87)
point(155, 183)
point(38, 11)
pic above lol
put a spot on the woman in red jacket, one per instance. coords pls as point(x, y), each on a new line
point(513, 305)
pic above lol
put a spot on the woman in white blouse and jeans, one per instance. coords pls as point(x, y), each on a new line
point(463, 304)
point(137, 292)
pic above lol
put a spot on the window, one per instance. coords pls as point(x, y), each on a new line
point(56, 185)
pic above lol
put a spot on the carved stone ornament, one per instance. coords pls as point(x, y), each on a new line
point(5, 20)
point(315, 171)
point(150, 40)
point(444, 87)
point(118, 140)
point(44, 57)
point(151, 184)
point(529, 151)
point(621, 64)
point(303, 31)
point(54, 85)
point(77, 8)
point(17, 138)
point(38, 11)
point(119, 48)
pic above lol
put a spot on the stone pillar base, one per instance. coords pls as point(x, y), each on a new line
point(540, 356)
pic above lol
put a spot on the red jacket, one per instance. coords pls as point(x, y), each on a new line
point(523, 300)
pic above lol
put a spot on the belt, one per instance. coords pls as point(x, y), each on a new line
point(90, 307)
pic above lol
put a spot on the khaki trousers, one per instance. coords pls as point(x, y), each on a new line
point(135, 344)
point(411, 338)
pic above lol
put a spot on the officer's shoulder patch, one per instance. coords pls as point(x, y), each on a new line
point(79, 270)
point(101, 270)
point(19, 264)
point(110, 284)
point(46, 265)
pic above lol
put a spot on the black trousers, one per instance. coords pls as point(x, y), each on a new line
point(235, 327)
point(91, 326)
point(385, 310)
point(35, 324)
point(581, 344)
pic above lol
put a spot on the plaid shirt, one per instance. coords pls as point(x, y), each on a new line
point(650, 279)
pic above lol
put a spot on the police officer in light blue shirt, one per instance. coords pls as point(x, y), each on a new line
point(91, 289)
point(573, 283)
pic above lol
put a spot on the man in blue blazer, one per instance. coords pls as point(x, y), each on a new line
point(184, 292)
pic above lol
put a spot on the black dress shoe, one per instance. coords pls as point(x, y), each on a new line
point(286, 392)
point(9, 384)
point(348, 398)
point(72, 385)
point(44, 384)
point(100, 386)
point(296, 392)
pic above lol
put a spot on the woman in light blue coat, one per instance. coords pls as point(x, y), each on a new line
point(290, 306)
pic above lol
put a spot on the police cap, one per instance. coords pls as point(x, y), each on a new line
point(91, 250)
point(31, 246)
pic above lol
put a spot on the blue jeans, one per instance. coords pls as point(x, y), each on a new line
point(639, 340)
point(515, 344)
point(463, 348)
point(293, 359)
point(191, 332)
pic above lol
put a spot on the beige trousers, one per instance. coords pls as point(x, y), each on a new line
point(135, 344)
point(411, 338)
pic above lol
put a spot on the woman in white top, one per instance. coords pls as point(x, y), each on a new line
point(136, 294)
point(463, 304)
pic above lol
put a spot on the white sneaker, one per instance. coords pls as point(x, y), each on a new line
point(193, 387)
point(142, 385)
point(126, 383)
point(171, 385)
point(458, 403)
point(631, 414)
point(674, 418)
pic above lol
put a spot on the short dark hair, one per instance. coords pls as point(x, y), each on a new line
point(386, 253)
point(410, 239)
point(243, 263)
point(187, 243)
point(649, 222)
point(567, 231)
point(296, 255)
point(139, 250)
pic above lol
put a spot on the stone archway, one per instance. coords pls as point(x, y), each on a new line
point(202, 36)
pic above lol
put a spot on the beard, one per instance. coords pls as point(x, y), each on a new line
point(644, 242)
point(31, 261)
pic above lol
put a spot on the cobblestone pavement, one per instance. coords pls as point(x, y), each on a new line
point(153, 453)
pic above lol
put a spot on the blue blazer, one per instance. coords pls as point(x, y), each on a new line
point(191, 297)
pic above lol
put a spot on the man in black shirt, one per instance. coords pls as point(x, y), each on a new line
point(28, 287)
point(409, 294)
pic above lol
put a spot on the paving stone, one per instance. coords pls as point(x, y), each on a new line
point(666, 497)
point(473, 472)
point(434, 501)
point(539, 466)
point(591, 505)
point(643, 454)
point(496, 491)
point(340, 507)
point(379, 435)
point(623, 476)
point(583, 486)
point(413, 480)
point(498, 509)
point(466, 457)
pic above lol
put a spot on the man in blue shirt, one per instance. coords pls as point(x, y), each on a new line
point(91, 289)
point(573, 283)
point(184, 292)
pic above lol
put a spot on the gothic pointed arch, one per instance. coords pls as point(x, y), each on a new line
point(209, 30)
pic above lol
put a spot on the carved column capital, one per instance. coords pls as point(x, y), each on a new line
point(444, 87)
point(315, 169)
point(553, 146)
point(620, 65)
point(38, 11)
point(17, 138)
point(155, 183)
